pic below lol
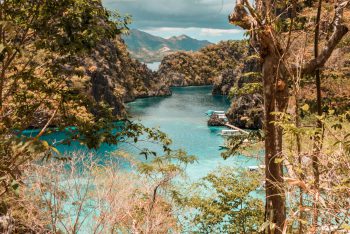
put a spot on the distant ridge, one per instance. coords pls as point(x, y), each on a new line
point(149, 48)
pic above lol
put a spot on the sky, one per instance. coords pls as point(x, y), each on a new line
point(200, 19)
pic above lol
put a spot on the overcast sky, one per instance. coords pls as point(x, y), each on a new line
point(200, 19)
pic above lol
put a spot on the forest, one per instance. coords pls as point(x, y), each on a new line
point(93, 141)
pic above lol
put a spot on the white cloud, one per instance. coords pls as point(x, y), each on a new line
point(175, 13)
point(219, 32)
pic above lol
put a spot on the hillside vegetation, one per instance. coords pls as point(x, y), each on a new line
point(204, 66)
point(115, 78)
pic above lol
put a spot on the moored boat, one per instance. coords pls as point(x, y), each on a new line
point(229, 132)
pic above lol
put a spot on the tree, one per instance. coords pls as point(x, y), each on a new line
point(224, 202)
point(41, 42)
point(263, 24)
point(90, 196)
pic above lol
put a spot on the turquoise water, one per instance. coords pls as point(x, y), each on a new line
point(182, 117)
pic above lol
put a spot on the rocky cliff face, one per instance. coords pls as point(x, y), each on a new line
point(185, 69)
point(110, 75)
point(241, 83)
point(225, 81)
point(202, 67)
point(230, 65)
point(246, 110)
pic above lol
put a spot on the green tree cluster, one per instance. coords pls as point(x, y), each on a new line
point(200, 68)
point(225, 201)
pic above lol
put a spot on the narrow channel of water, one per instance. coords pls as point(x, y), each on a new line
point(182, 117)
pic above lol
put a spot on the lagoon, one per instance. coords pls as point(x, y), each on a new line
point(182, 117)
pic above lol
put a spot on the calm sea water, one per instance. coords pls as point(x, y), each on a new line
point(182, 117)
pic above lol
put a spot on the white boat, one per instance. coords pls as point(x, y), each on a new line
point(229, 132)
point(253, 168)
point(256, 168)
point(219, 112)
point(213, 112)
point(221, 116)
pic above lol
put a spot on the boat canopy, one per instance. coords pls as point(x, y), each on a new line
point(229, 132)
point(212, 112)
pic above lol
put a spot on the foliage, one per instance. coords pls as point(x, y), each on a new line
point(292, 44)
point(43, 86)
point(200, 68)
point(244, 144)
point(37, 40)
point(84, 195)
point(249, 88)
point(334, 190)
point(223, 202)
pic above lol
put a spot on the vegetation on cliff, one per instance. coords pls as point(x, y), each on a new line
point(115, 78)
point(65, 68)
point(202, 67)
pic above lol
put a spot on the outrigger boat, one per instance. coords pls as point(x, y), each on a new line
point(212, 112)
point(229, 132)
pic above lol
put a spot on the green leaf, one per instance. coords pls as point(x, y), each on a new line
point(45, 144)
point(305, 107)
point(54, 149)
point(2, 47)
point(278, 160)
point(346, 227)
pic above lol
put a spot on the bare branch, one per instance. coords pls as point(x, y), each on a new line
point(340, 30)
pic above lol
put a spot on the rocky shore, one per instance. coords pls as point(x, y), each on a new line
point(228, 66)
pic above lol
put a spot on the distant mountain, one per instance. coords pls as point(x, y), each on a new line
point(149, 48)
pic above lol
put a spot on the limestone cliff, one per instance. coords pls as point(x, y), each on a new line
point(202, 67)
point(229, 65)
point(244, 87)
point(112, 76)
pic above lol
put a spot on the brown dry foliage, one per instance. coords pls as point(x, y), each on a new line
point(83, 196)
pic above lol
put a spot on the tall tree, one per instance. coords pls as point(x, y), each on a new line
point(41, 43)
point(262, 22)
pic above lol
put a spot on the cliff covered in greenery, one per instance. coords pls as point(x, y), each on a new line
point(202, 67)
point(115, 78)
point(231, 67)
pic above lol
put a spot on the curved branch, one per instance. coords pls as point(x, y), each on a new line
point(339, 32)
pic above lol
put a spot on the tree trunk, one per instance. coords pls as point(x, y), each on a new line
point(275, 204)
point(318, 140)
